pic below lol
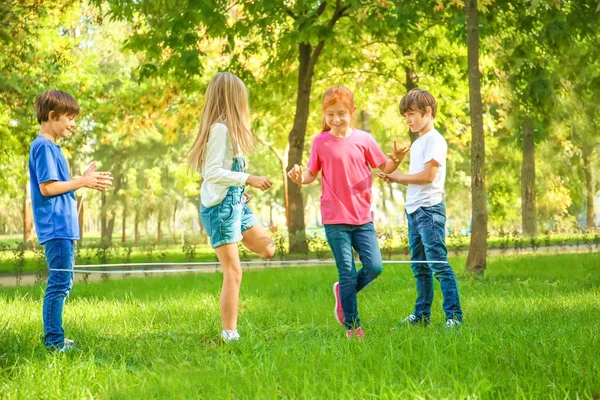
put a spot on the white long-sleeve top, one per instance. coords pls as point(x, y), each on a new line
point(216, 168)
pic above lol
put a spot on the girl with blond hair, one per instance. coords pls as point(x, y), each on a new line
point(218, 154)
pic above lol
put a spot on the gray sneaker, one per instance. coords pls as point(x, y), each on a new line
point(414, 320)
point(452, 323)
point(67, 345)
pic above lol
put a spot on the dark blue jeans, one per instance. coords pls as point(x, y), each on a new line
point(60, 254)
point(342, 239)
point(427, 241)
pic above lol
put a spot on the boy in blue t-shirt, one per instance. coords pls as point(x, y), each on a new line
point(54, 206)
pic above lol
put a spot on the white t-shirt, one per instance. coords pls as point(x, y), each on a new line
point(216, 169)
point(430, 146)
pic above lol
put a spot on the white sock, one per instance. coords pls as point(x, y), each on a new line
point(229, 335)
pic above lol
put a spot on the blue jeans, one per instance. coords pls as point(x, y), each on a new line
point(427, 241)
point(60, 254)
point(342, 239)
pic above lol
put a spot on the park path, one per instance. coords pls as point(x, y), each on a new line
point(9, 280)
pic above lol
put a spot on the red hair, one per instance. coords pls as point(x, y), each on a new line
point(334, 95)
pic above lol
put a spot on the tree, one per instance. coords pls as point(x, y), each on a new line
point(476, 259)
point(295, 36)
point(531, 43)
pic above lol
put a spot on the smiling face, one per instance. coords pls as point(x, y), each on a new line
point(338, 117)
point(56, 111)
point(60, 127)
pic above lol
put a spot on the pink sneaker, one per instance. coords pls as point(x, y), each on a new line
point(358, 332)
point(337, 311)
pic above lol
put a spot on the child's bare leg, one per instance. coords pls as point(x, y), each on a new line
point(232, 279)
point(258, 240)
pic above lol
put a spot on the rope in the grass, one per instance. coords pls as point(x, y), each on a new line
point(84, 268)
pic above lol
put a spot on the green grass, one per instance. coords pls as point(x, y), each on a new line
point(531, 331)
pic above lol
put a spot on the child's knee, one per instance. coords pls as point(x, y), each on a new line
point(233, 274)
point(268, 252)
point(444, 271)
point(375, 270)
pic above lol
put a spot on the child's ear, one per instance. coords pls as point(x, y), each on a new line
point(428, 110)
point(52, 116)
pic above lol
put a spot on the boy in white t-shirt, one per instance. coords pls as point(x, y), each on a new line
point(426, 211)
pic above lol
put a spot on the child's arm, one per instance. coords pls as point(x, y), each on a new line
point(299, 177)
point(213, 171)
point(420, 178)
point(395, 158)
point(91, 179)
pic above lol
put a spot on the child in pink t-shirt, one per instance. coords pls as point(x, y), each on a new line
point(345, 157)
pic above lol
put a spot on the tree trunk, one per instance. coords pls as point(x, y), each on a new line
point(365, 121)
point(296, 226)
point(111, 218)
point(528, 178)
point(286, 194)
point(174, 220)
point(589, 187)
point(159, 234)
point(136, 224)
point(124, 223)
point(476, 259)
point(308, 57)
point(110, 227)
point(27, 210)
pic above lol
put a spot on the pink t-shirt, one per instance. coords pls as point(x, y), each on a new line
point(346, 165)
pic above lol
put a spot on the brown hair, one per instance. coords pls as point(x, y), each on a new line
point(334, 95)
point(62, 103)
point(418, 100)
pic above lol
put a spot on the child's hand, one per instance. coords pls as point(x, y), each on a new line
point(96, 180)
point(296, 174)
point(247, 197)
point(398, 155)
point(389, 178)
point(259, 182)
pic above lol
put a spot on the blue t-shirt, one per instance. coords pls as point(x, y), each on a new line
point(55, 217)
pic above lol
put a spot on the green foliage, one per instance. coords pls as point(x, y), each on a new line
point(139, 70)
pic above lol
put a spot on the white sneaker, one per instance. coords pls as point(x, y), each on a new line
point(230, 336)
point(413, 320)
point(67, 345)
point(453, 323)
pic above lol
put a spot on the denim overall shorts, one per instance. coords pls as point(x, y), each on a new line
point(225, 222)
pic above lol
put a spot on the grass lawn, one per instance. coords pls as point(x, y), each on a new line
point(531, 331)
